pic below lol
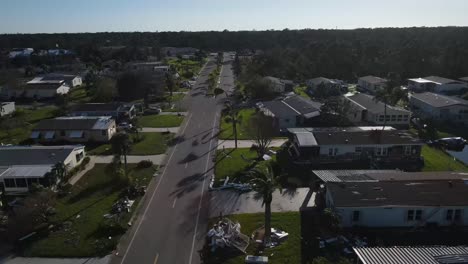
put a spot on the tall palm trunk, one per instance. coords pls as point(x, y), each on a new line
point(267, 238)
point(234, 128)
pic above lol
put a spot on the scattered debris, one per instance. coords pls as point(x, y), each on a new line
point(249, 259)
point(226, 233)
point(266, 157)
point(277, 236)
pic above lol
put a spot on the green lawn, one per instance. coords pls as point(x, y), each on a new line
point(186, 68)
point(22, 132)
point(153, 143)
point(79, 95)
point(233, 165)
point(437, 160)
point(89, 232)
point(226, 128)
point(301, 91)
point(288, 252)
point(160, 120)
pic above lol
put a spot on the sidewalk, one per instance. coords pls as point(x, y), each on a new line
point(247, 143)
point(156, 159)
point(160, 129)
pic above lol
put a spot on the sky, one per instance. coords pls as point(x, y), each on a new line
point(56, 16)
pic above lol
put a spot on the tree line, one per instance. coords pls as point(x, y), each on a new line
point(294, 54)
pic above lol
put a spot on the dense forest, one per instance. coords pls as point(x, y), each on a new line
point(295, 54)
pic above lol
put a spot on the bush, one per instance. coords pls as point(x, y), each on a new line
point(86, 160)
point(144, 164)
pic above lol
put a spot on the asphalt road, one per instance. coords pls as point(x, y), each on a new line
point(172, 222)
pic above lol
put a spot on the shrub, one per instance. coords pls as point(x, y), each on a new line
point(144, 164)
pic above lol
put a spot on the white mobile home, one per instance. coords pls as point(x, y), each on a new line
point(439, 108)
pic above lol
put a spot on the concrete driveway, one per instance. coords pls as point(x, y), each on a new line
point(232, 202)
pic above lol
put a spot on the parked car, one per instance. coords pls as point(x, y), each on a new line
point(124, 126)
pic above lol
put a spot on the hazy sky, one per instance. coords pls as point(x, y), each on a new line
point(32, 16)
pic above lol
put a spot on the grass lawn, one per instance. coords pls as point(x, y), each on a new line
point(90, 198)
point(186, 68)
point(288, 252)
point(160, 120)
point(301, 91)
point(437, 160)
point(226, 128)
point(232, 165)
point(22, 133)
point(153, 143)
point(79, 95)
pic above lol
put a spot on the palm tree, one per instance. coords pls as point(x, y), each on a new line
point(233, 117)
point(389, 94)
point(264, 182)
point(120, 143)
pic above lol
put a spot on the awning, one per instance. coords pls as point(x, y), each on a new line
point(76, 134)
point(35, 134)
point(49, 135)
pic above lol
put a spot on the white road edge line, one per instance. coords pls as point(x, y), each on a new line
point(152, 196)
point(173, 204)
point(202, 190)
point(186, 164)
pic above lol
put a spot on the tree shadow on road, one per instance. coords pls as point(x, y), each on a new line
point(190, 157)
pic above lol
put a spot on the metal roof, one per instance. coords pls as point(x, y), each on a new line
point(413, 255)
point(27, 171)
point(306, 139)
point(438, 100)
point(386, 175)
point(371, 104)
point(34, 155)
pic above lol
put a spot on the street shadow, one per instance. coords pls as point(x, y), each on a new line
point(196, 94)
point(190, 157)
point(176, 140)
point(188, 184)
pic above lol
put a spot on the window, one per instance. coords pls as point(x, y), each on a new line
point(9, 183)
point(410, 215)
point(418, 215)
point(104, 132)
point(381, 118)
point(21, 183)
point(79, 156)
point(378, 151)
point(387, 117)
point(407, 150)
point(399, 117)
point(453, 215)
point(414, 215)
point(384, 151)
point(449, 215)
point(393, 117)
point(358, 149)
point(336, 152)
point(330, 152)
point(405, 118)
point(356, 215)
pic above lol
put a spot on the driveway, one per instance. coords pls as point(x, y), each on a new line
point(228, 202)
point(247, 143)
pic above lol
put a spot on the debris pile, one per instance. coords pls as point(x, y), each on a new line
point(345, 243)
point(277, 236)
point(226, 233)
point(121, 206)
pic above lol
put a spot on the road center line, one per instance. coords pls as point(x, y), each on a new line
point(186, 164)
point(173, 204)
point(151, 199)
point(202, 190)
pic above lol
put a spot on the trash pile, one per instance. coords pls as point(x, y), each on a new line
point(346, 243)
point(277, 236)
point(226, 233)
point(123, 205)
point(241, 187)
